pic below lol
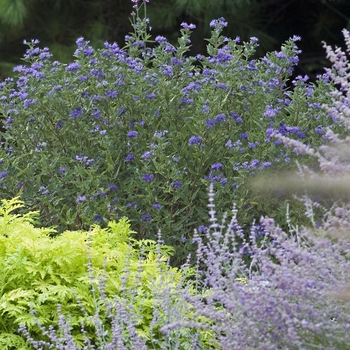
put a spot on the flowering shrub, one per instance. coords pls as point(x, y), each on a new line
point(296, 281)
point(141, 131)
point(282, 300)
point(289, 294)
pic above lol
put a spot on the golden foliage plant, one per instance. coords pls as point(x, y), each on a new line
point(81, 271)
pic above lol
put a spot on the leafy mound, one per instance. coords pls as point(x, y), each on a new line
point(81, 271)
point(141, 131)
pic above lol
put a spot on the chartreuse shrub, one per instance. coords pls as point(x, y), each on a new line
point(85, 275)
point(141, 130)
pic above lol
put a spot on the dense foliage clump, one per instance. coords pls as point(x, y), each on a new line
point(86, 275)
point(141, 131)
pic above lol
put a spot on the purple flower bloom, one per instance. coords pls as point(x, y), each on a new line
point(62, 170)
point(210, 123)
point(223, 181)
point(3, 174)
point(132, 204)
point(187, 26)
point(187, 101)
point(150, 96)
point(194, 140)
point(148, 177)
point(43, 190)
point(292, 129)
point(216, 166)
point(244, 135)
point(218, 23)
point(73, 66)
point(265, 165)
point(319, 130)
point(132, 134)
point(147, 154)
point(229, 144)
point(78, 112)
point(160, 39)
point(146, 217)
point(28, 102)
point(157, 206)
point(220, 118)
point(98, 218)
point(202, 229)
point(129, 157)
point(80, 199)
point(113, 187)
point(60, 124)
point(177, 184)
point(167, 70)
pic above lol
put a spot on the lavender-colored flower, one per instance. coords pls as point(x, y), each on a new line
point(187, 101)
point(43, 190)
point(28, 102)
point(157, 206)
point(160, 134)
point(81, 199)
point(210, 123)
point(77, 112)
point(223, 181)
point(129, 157)
point(146, 217)
point(131, 205)
point(216, 166)
point(177, 184)
point(147, 154)
point(202, 229)
point(194, 140)
point(112, 187)
point(167, 70)
point(160, 39)
point(187, 26)
point(3, 174)
point(148, 177)
point(73, 66)
point(218, 23)
point(131, 134)
point(60, 124)
point(229, 144)
point(62, 170)
point(205, 109)
point(292, 129)
point(319, 130)
point(220, 118)
point(98, 218)
point(244, 135)
point(150, 96)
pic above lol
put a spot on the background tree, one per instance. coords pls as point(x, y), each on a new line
point(58, 23)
